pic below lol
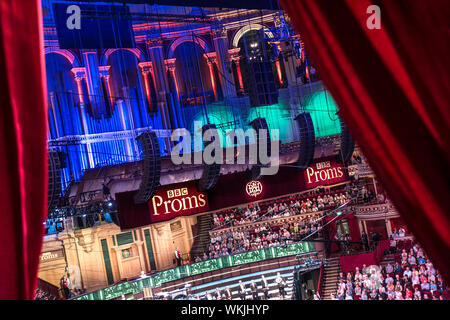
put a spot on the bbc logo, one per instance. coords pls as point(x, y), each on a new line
point(177, 193)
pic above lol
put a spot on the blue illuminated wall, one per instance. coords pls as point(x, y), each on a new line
point(117, 74)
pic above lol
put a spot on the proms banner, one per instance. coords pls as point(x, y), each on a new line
point(183, 199)
point(170, 201)
point(325, 172)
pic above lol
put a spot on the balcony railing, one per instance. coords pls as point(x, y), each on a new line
point(156, 280)
point(384, 210)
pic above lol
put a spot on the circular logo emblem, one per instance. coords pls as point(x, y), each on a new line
point(254, 188)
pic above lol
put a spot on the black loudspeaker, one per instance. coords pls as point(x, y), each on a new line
point(54, 179)
point(211, 172)
point(262, 88)
point(308, 282)
point(307, 140)
point(254, 173)
point(347, 144)
point(151, 167)
point(259, 123)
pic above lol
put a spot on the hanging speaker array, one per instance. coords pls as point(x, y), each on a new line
point(211, 172)
point(258, 124)
point(347, 143)
point(151, 167)
point(54, 178)
point(307, 140)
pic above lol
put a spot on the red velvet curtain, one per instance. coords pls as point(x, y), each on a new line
point(392, 87)
point(23, 155)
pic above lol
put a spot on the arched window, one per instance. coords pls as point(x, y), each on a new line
point(193, 74)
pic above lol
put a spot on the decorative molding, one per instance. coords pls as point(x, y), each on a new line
point(376, 211)
point(170, 64)
point(211, 57)
point(154, 42)
point(253, 26)
point(79, 73)
point(234, 54)
point(146, 67)
point(66, 53)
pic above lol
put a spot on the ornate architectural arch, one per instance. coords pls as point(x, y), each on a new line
point(253, 26)
point(66, 53)
point(200, 41)
point(136, 51)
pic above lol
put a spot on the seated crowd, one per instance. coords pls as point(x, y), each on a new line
point(260, 237)
point(294, 205)
point(42, 295)
point(412, 277)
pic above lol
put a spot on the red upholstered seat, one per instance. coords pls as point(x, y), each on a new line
point(357, 297)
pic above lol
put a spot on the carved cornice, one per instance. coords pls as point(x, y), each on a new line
point(154, 42)
point(170, 64)
point(104, 71)
point(234, 54)
point(211, 57)
point(79, 73)
point(219, 32)
point(86, 238)
point(146, 67)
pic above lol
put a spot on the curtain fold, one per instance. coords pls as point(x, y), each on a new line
point(23, 141)
point(392, 87)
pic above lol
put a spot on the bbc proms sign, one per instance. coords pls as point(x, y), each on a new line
point(322, 173)
point(171, 201)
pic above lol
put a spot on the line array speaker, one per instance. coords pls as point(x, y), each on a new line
point(307, 140)
point(347, 143)
point(151, 167)
point(257, 124)
point(211, 172)
point(262, 88)
point(261, 123)
point(54, 179)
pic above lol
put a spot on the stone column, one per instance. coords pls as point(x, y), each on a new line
point(211, 59)
point(104, 75)
point(93, 81)
point(80, 76)
point(171, 65)
point(128, 142)
point(219, 35)
point(155, 47)
point(234, 54)
point(147, 70)
point(160, 77)
point(286, 48)
point(278, 64)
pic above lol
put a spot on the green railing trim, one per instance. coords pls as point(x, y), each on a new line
point(181, 272)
